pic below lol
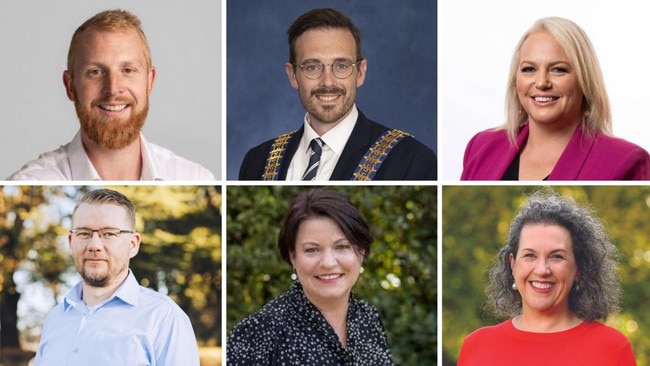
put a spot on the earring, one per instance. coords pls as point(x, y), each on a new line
point(294, 276)
point(577, 287)
point(514, 286)
point(361, 270)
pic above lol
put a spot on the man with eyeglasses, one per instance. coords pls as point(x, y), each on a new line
point(336, 141)
point(108, 318)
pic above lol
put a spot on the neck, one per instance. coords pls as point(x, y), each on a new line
point(532, 321)
point(540, 134)
point(92, 296)
point(122, 164)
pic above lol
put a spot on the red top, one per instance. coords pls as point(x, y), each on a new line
point(590, 343)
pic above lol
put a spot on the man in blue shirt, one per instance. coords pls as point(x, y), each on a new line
point(107, 318)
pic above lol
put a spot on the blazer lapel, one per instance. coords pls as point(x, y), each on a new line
point(357, 145)
point(290, 150)
point(573, 157)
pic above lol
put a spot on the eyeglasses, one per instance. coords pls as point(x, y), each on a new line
point(340, 69)
point(105, 234)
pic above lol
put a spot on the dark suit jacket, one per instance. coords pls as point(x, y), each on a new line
point(408, 160)
point(489, 154)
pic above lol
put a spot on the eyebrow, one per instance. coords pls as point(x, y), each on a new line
point(551, 252)
point(552, 63)
point(320, 61)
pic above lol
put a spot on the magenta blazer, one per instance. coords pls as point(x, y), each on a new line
point(489, 154)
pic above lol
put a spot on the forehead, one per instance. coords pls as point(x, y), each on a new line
point(325, 44)
point(541, 45)
point(545, 237)
point(97, 45)
point(100, 215)
point(319, 226)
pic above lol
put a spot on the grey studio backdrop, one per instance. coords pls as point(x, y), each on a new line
point(398, 40)
point(185, 105)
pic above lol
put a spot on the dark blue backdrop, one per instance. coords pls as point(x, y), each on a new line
point(398, 40)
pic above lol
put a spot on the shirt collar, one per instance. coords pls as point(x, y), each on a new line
point(82, 168)
point(127, 292)
point(337, 137)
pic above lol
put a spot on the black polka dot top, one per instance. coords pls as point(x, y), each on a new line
point(291, 331)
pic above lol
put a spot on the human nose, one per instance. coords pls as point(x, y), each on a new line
point(328, 78)
point(542, 81)
point(112, 84)
point(95, 241)
point(329, 259)
point(541, 267)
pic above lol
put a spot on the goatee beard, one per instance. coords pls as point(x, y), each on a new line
point(95, 281)
point(111, 133)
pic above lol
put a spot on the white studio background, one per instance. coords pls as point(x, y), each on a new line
point(476, 40)
point(185, 105)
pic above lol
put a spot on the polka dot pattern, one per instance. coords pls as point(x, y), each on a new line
point(290, 330)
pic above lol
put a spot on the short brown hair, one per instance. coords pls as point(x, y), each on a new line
point(321, 18)
point(324, 203)
point(108, 196)
point(114, 21)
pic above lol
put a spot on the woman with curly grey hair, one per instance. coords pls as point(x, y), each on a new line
point(555, 279)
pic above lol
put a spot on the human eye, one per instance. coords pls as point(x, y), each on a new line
point(312, 66)
point(343, 246)
point(560, 69)
point(311, 249)
point(130, 70)
point(529, 256)
point(527, 69)
point(109, 233)
point(83, 234)
point(94, 73)
point(343, 65)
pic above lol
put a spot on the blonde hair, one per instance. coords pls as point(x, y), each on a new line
point(582, 57)
point(114, 21)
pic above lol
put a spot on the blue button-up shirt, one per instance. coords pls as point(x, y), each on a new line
point(135, 326)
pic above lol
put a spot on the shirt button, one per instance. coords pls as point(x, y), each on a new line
point(75, 350)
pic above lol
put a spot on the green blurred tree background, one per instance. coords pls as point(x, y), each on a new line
point(180, 253)
point(475, 221)
point(400, 274)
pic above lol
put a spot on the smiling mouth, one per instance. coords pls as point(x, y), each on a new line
point(113, 108)
point(541, 285)
point(330, 277)
point(327, 98)
point(545, 99)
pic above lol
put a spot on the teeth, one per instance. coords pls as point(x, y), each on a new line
point(327, 98)
point(329, 277)
point(543, 286)
point(113, 108)
point(544, 99)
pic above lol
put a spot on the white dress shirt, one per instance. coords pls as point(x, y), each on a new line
point(70, 162)
point(334, 139)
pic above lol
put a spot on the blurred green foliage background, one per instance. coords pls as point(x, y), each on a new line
point(475, 220)
point(400, 274)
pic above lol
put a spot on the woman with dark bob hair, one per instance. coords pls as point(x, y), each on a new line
point(555, 279)
point(318, 321)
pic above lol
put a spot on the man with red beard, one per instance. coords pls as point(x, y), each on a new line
point(108, 318)
point(109, 79)
point(336, 141)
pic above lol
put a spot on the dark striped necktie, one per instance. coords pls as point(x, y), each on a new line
point(314, 159)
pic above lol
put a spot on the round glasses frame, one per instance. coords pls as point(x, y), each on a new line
point(320, 68)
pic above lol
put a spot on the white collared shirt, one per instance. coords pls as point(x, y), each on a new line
point(335, 141)
point(70, 162)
